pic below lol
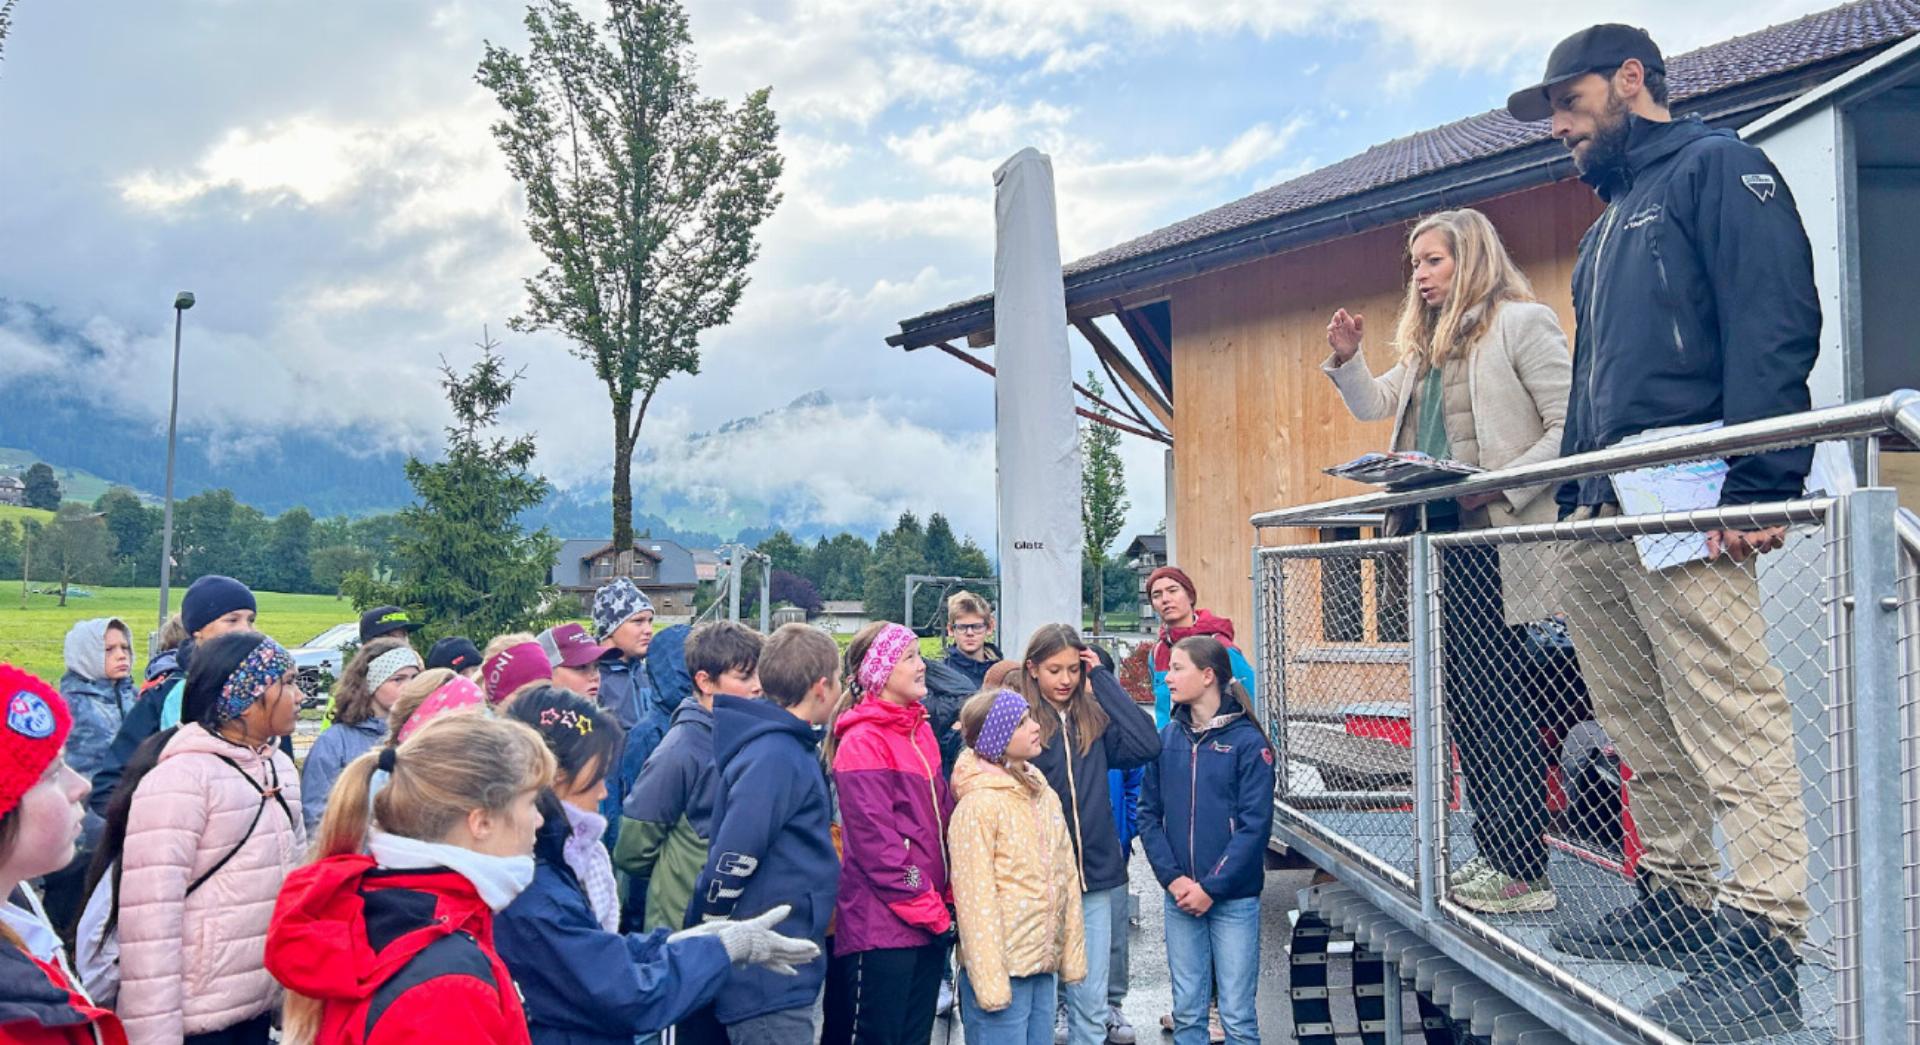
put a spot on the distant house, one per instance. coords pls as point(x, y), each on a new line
point(789, 615)
point(662, 569)
point(12, 490)
point(841, 616)
point(1147, 553)
point(706, 564)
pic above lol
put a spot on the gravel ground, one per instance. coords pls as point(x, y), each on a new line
point(1150, 991)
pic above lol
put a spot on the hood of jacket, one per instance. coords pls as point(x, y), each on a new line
point(972, 774)
point(164, 663)
point(897, 718)
point(1648, 142)
point(691, 711)
point(739, 721)
point(667, 668)
point(336, 937)
point(86, 646)
point(974, 670)
point(1204, 623)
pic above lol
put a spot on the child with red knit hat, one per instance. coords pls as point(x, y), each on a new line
point(41, 1001)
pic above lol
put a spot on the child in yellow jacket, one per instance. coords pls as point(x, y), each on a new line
point(1014, 886)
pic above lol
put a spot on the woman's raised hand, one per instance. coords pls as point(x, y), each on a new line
point(1344, 332)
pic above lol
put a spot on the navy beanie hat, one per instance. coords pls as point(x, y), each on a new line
point(211, 598)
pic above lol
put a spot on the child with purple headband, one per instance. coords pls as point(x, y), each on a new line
point(1015, 887)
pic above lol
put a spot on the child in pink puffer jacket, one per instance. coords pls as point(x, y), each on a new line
point(212, 832)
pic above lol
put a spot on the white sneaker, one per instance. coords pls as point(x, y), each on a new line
point(1119, 1031)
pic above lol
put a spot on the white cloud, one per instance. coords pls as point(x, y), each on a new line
point(340, 205)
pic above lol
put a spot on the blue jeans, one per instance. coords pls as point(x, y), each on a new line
point(1087, 1000)
point(1217, 952)
point(1027, 1021)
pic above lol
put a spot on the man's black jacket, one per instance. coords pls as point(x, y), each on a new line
point(1693, 302)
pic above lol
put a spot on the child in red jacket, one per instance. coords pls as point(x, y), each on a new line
point(388, 937)
point(41, 1001)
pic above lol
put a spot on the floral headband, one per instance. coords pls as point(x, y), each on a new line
point(565, 718)
point(888, 648)
point(267, 664)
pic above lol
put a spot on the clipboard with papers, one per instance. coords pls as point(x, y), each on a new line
point(1401, 469)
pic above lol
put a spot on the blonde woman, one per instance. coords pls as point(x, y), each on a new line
point(1482, 378)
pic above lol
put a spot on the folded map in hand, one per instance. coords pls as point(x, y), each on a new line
point(1407, 468)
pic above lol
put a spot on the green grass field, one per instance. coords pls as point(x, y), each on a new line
point(14, 514)
point(33, 635)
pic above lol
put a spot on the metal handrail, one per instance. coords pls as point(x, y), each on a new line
point(1895, 413)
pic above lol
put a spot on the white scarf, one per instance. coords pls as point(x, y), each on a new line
point(588, 858)
point(498, 879)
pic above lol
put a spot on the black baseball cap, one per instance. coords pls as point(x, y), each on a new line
point(383, 620)
point(1590, 50)
point(457, 652)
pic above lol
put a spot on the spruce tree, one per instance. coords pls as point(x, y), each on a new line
point(464, 564)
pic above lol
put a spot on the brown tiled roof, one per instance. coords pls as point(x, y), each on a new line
point(1849, 30)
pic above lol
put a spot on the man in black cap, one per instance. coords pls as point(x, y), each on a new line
point(1694, 303)
point(382, 621)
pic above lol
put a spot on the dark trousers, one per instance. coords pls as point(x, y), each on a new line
point(883, 997)
point(1493, 713)
point(700, 1027)
point(252, 1032)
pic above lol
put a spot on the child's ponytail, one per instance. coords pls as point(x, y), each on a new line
point(1247, 708)
point(1210, 654)
point(349, 816)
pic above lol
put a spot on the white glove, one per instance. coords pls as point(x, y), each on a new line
point(753, 942)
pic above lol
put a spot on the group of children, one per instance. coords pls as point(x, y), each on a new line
point(705, 833)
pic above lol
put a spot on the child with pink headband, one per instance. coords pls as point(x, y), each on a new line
point(893, 923)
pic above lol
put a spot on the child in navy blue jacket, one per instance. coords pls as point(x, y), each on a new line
point(772, 842)
point(581, 983)
point(1206, 810)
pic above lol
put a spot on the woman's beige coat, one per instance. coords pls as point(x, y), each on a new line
point(1517, 377)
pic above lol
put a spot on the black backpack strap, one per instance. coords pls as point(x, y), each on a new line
point(270, 792)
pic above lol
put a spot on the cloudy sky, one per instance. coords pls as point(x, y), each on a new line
point(321, 175)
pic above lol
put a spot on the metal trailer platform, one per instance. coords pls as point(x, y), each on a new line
point(1587, 890)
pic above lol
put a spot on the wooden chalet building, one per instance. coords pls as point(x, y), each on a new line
point(1224, 314)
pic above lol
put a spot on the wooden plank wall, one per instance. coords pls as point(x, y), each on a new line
point(1254, 418)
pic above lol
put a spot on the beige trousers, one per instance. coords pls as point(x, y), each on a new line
point(1681, 679)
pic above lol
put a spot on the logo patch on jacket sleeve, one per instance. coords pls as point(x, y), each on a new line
point(1761, 185)
point(1267, 753)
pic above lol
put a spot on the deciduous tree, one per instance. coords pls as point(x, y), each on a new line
point(74, 548)
point(644, 197)
point(1103, 498)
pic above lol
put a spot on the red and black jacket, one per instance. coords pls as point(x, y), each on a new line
point(393, 956)
point(38, 1006)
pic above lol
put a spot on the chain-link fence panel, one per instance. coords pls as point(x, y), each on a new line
point(1335, 648)
point(1910, 758)
point(1643, 736)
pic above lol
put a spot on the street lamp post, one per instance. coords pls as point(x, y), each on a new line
point(181, 303)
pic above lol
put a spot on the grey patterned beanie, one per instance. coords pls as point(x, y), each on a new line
point(615, 604)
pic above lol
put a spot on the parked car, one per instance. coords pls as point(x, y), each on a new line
point(319, 659)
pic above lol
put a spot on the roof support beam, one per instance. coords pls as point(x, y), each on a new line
point(987, 369)
point(1146, 339)
point(1124, 371)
